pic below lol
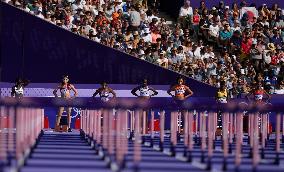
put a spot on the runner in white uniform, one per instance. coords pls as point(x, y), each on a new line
point(18, 88)
point(144, 90)
point(105, 92)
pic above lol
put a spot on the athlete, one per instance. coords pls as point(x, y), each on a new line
point(145, 91)
point(65, 91)
point(258, 93)
point(104, 92)
point(18, 88)
point(221, 95)
point(182, 91)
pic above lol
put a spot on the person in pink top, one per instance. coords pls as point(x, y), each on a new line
point(155, 35)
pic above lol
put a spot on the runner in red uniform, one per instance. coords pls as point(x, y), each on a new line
point(258, 93)
point(65, 90)
point(182, 91)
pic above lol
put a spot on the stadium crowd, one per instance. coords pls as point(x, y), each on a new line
point(209, 45)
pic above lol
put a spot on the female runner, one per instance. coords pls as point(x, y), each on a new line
point(18, 88)
point(104, 92)
point(65, 90)
point(144, 90)
point(182, 91)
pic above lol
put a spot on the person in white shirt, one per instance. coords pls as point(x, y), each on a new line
point(180, 55)
point(146, 35)
point(208, 53)
point(280, 89)
point(214, 30)
point(196, 51)
point(118, 5)
point(186, 9)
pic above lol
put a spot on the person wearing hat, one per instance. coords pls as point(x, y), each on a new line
point(65, 89)
point(163, 61)
point(141, 54)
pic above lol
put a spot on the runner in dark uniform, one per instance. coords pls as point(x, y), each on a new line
point(145, 91)
point(18, 88)
point(104, 92)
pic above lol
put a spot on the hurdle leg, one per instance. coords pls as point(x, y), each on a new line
point(239, 136)
point(162, 130)
point(278, 119)
point(255, 134)
point(190, 136)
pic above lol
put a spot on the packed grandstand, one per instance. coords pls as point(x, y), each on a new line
point(241, 44)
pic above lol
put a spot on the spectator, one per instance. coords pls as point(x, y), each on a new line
point(135, 18)
point(211, 46)
point(225, 35)
point(214, 31)
point(163, 61)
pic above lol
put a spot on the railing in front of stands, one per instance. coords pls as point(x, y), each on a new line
point(110, 126)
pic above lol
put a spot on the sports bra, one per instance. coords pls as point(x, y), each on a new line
point(180, 90)
point(18, 91)
point(258, 94)
point(222, 94)
point(144, 91)
point(65, 90)
point(104, 95)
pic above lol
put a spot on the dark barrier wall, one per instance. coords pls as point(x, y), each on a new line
point(43, 52)
point(172, 7)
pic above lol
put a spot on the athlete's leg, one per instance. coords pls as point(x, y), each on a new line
point(69, 117)
point(59, 114)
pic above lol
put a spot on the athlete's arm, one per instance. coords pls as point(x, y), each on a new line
point(170, 90)
point(13, 92)
point(190, 93)
point(135, 90)
point(268, 95)
point(112, 92)
point(154, 91)
point(55, 91)
point(96, 93)
point(248, 96)
point(216, 96)
point(75, 91)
